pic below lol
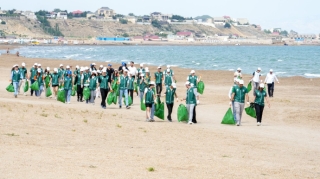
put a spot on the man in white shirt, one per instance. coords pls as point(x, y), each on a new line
point(256, 78)
point(270, 82)
point(237, 74)
point(132, 69)
point(236, 83)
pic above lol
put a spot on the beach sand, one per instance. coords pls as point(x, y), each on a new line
point(43, 138)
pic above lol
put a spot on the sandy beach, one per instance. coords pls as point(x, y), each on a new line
point(43, 138)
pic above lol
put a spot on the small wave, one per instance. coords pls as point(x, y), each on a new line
point(312, 75)
point(215, 65)
point(280, 72)
point(197, 63)
point(280, 60)
point(230, 69)
point(174, 65)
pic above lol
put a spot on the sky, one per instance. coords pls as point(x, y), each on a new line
point(297, 15)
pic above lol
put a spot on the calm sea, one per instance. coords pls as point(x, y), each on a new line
point(284, 60)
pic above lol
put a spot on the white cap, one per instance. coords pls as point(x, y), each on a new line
point(104, 71)
point(16, 65)
point(86, 68)
point(141, 65)
point(168, 66)
point(259, 69)
point(241, 82)
point(35, 64)
point(93, 64)
point(48, 68)
point(271, 70)
point(125, 70)
point(67, 66)
point(192, 71)
point(261, 85)
point(187, 83)
point(77, 66)
point(168, 70)
point(239, 69)
point(55, 69)
point(237, 80)
point(39, 70)
point(174, 85)
point(23, 64)
point(39, 65)
point(152, 83)
point(61, 65)
point(147, 70)
point(159, 67)
point(98, 71)
point(94, 72)
point(141, 74)
point(81, 69)
point(101, 66)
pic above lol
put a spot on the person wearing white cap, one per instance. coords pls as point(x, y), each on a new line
point(131, 86)
point(238, 96)
point(78, 80)
point(61, 72)
point(150, 100)
point(93, 80)
point(101, 67)
point(77, 71)
point(142, 86)
point(256, 78)
point(123, 87)
point(105, 86)
point(259, 97)
point(237, 74)
point(191, 100)
point(39, 79)
point(235, 84)
point(147, 77)
point(170, 94)
point(24, 73)
point(141, 70)
point(54, 81)
point(193, 79)
point(16, 76)
point(159, 78)
point(86, 75)
point(132, 70)
point(67, 84)
point(39, 67)
point(46, 76)
point(66, 72)
point(270, 78)
point(93, 67)
point(168, 80)
point(33, 74)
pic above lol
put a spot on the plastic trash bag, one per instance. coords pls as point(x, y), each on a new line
point(86, 93)
point(249, 87)
point(200, 87)
point(129, 100)
point(35, 86)
point(48, 92)
point(47, 81)
point(135, 86)
point(73, 92)
point(158, 104)
point(182, 113)
point(115, 98)
point(110, 98)
point(143, 105)
point(160, 112)
point(251, 111)
point(26, 86)
point(10, 88)
point(228, 118)
point(61, 95)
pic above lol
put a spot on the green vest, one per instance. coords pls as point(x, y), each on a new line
point(16, 76)
point(130, 83)
point(54, 78)
point(93, 83)
point(23, 72)
point(142, 86)
point(33, 72)
point(61, 72)
point(142, 71)
point(67, 83)
point(76, 72)
point(86, 76)
point(123, 82)
point(79, 79)
point(193, 80)
point(149, 97)
point(66, 73)
point(40, 80)
point(240, 94)
point(191, 97)
point(147, 80)
point(104, 81)
point(168, 80)
point(170, 95)
point(158, 76)
point(260, 97)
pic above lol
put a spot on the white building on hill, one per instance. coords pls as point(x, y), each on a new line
point(29, 15)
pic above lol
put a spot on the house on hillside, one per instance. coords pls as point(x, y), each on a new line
point(185, 34)
point(62, 15)
point(90, 15)
point(106, 12)
point(243, 21)
point(18, 12)
point(51, 15)
point(29, 15)
point(77, 13)
point(160, 17)
point(219, 20)
point(131, 19)
point(2, 12)
point(277, 30)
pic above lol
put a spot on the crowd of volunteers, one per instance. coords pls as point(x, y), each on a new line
point(89, 83)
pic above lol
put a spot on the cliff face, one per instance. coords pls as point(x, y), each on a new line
point(86, 29)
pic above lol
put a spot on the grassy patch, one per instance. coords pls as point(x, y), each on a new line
point(119, 126)
point(145, 131)
point(85, 121)
point(30, 105)
point(57, 116)
point(12, 134)
point(44, 115)
point(92, 166)
point(9, 109)
point(151, 169)
point(225, 156)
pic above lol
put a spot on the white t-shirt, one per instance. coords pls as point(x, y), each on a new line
point(133, 70)
point(270, 78)
point(256, 77)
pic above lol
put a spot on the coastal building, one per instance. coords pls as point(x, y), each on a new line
point(62, 15)
point(106, 12)
point(243, 21)
point(90, 15)
point(185, 34)
point(160, 17)
point(219, 20)
point(29, 15)
point(131, 19)
point(113, 39)
point(277, 30)
point(77, 13)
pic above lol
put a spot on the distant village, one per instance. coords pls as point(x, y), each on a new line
point(155, 19)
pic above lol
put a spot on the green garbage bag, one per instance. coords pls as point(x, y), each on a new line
point(35, 86)
point(86, 93)
point(129, 100)
point(135, 86)
point(118, 92)
point(200, 87)
point(249, 87)
point(110, 98)
point(73, 92)
point(48, 92)
point(26, 86)
point(182, 113)
point(160, 112)
point(114, 86)
point(143, 105)
point(115, 98)
point(75, 87)
point(228, 118)
point(251, 111)
point(61, 95)
point(158, 104)
point(10, 88)
point(47, 81)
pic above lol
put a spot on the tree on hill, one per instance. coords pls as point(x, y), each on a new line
point(177, 17)
point(203, 17)
point(267, 31)
point(131, 14)
point(156, 24)
point(284, 33)
point(227, 25)
point(123, 21)
point(57, 10)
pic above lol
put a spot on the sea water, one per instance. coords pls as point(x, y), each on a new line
point(284, 60)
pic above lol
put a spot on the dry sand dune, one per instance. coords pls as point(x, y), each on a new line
point(42, 138)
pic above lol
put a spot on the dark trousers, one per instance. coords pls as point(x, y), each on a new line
point(169, 106)
point(79, 92)
point(259, 112)
point(270, 89)
point(32, 81)
point(159, 88)
point(104, 94)
point(194, 120)
point(130, 92)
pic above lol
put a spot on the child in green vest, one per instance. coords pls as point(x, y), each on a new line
point(55, 81)
point(142, 86)
point(193, 79)
point(191, 100)
point(39, 79)
point(150, 100)
point(93, 80)
point(170, 94)
point(123, 87)
point(68, 86)
point(15, 79)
